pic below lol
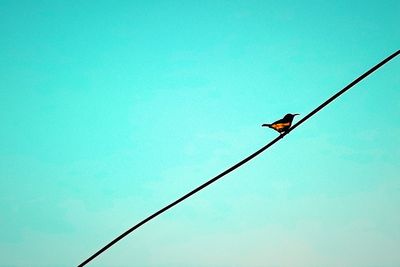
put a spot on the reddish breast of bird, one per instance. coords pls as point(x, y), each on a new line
point(280, 126)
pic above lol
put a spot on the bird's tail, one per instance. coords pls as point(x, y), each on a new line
point(266, 125)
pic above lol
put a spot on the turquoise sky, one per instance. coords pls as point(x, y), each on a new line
point(112, 109)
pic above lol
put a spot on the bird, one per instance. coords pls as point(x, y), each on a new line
point(283, 125)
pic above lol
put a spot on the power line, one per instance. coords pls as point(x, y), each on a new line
point(237, 165)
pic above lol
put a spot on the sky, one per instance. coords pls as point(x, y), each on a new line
point(112, 109)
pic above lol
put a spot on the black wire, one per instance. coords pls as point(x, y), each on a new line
point(237, 165)
point(374, 68)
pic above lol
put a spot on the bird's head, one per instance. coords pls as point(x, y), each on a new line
point(291, 115)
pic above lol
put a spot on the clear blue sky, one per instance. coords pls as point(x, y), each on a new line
point(111, 109)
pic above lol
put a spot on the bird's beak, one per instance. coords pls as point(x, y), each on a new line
point(296, 114)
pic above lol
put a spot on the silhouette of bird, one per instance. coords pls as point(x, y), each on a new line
point(282, 125)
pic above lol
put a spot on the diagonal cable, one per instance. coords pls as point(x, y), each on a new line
point(237, 165)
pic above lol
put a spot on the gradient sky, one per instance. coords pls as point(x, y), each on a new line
point(112, 109)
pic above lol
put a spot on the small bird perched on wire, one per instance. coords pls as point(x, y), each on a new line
point(282, 126)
